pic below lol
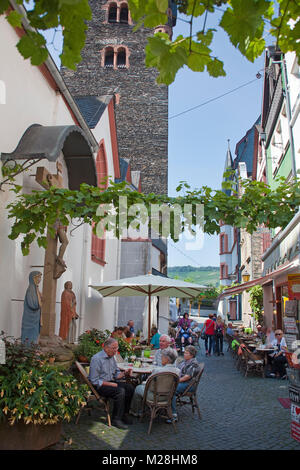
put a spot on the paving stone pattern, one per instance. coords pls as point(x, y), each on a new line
point(238, 413)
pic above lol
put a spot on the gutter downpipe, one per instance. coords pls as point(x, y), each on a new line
point(84, 290)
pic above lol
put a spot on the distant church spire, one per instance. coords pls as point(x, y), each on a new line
point(228, 159)
point(228, 166)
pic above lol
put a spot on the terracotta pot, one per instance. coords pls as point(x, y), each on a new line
point(23, 436)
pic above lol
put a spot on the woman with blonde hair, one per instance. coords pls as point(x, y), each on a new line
point(278, 357)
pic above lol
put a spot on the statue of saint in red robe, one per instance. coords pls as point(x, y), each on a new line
point(68, 315)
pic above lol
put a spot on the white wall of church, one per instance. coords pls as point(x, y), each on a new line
point(31, 100)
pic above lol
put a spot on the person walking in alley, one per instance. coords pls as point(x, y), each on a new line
point(209, 326)
point(219, 335)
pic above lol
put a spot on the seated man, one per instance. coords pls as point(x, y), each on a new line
point(164, 342)
point(168, 358)
point(130, 325)
point(155, 338)
point(229, 329)
point(236, 341)
point(184, 330)
point(185, 335)
point(189, 368)
point(105, 377)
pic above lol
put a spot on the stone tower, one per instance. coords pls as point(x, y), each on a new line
point(113, 62)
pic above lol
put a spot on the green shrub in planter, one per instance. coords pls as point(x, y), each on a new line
point(33, 391)
point(90, 342)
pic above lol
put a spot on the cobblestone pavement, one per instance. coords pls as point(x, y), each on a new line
point(238, 413)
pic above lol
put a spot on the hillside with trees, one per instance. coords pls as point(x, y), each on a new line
point(207, 275)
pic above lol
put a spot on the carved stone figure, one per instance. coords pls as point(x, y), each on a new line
point(61, 233)
point(68, 315)
point(31, 321)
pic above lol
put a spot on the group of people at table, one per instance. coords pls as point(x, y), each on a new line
point(273, 345)
point(107, 377)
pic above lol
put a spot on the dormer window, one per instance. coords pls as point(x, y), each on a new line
point(112, 13)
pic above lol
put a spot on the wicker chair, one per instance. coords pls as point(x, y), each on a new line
point(229, 339)
point(94, 396)
point(250, 362)
point(189, 395)
point(158, 394)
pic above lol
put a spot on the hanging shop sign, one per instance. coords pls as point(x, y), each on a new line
point(294, 286)
point(290, 308)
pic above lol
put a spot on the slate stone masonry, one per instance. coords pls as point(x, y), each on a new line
point(142, 114)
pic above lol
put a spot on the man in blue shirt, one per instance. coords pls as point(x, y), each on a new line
point(155, 338)
point(229, 330)
point(105, 376)
point(130, 325)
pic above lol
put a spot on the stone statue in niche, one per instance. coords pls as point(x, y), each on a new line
point(68, 315)
point(31, 320)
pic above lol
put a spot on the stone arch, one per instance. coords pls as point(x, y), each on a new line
point(124, 13)
point(121, 57)
point(112, 12)
point(115, 57)
point(39, 142)
point(109, 57)
point(117, 12)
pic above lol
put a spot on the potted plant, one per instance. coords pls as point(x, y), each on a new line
point(89, 343)
point(35, 398)
point(125, 349)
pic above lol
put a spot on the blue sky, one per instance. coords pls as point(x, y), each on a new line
point(198, 139)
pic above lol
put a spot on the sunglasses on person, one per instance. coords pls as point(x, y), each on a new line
point(278, 334)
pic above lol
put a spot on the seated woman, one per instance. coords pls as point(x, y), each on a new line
point(117, 333)
point(184, 330)
point(154, 342)
point(168, 358)
point(189, 367)
point(129, 337)
point(278, 359)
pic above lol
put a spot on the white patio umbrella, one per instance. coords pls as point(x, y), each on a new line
point(149, 285)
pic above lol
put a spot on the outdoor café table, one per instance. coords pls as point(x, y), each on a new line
point(140, 371)
point(147, 359)
point(265, 352)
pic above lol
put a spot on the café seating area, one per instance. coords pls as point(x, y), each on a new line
point(249, 353)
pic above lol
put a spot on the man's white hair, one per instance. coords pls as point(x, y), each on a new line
point(167, 337)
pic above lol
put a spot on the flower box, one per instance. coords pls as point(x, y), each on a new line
point(21, 436)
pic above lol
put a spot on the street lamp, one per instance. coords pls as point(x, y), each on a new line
point(245, 276)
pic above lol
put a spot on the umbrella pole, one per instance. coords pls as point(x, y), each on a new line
point(149, 317)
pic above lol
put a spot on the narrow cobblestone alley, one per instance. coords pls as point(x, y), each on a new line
point(237, 414)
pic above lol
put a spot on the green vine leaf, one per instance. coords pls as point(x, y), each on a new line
point(34, 213)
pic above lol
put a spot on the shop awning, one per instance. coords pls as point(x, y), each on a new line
point(259, 281)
